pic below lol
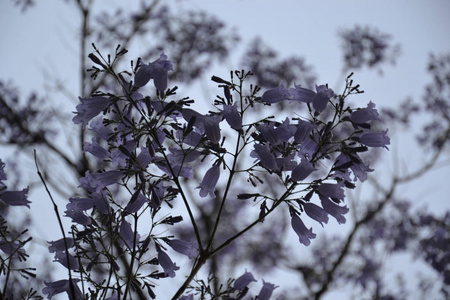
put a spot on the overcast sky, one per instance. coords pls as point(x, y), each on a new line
point(44, 39)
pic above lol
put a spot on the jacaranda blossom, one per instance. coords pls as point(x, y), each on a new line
point(316, 212)
point(167, 264)
point(319, 98)
point(61, 286)
point(267, 159)
point(332, 190)
point(375, 139)
point(243, 281)
point(157, 71)
point(90, 108)
point(190, 249)
point(304, 234)
point(60, 245)
point(129, 238)
point(364, 115)
point(266, 291)
point(334, 210)
point(15, 198)
point(232, 116)
point(208, 184)
point(277, 94)
point(303, 170)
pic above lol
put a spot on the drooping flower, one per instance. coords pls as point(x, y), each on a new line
point(157, 70)
point(243, 281)
point(302, 170)
point(97, 181)
point(90, 108)
point(13, 249)
point(190, 249)
point(72, 263)
point(324, 94)
point(357, 166)
point(212, 128)
point(277, 94)
point(319, 98)
point(266, 291)
point(95, 149)
point(334, 191)
point(375, 139)
point(208, 184)
point(316, 212)
point(15, 198)
point(60, 245)
point(304, 234)
point(303, 131)
point(61, 286)
point(232, 116)
point(134, 206)
point(269, 134)
point(100, 129)
point(266, 157)
point(129, 238)
point(365, 115)
point(167, 264)
point(334, 210)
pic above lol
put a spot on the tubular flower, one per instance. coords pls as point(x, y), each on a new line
point(319, 98)
point(266, 158)
point(167, 264)
point(316, 212)
point(15, 198)
point(244, 280)
point(304, 234)
point(61, 286)
point(157, 71)
point(266, 291)
point(277, 94)
point(303, 170)
point(333, 209)
point(332, 190)
point(190, 249)
point(90, 108)
point(208, 184)
point(364, 115)
point(232, 116)
point(375, 139)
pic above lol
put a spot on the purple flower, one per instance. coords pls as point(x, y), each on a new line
point(15, 198)
point(303, 131)
point(304, 234)
point(375, 139)
point(303, 170)
point(364, 115)
point(208, 184)
point(277, 94)
point(129, 238)
point(97, 181)
point(302, 94)
point(12, 248)
point(190, 249)
point(100, 129)
point(61, 257)
point(157, 71)
point(269, 134)
point(333, 209)
point(332, 190)
point(243, 281)
point(359, 169)
point(267, 159)
point(266, 291)
point(319, 98)
point(80, 204)
point(60, 245)
point(78, 217)
point(167, 264)
point(232, 116)
point(95, 149)
point(316, 212)
point(60, 286)
point(324, 94)
point(285, 130)
point(187, 297)
point(90, 108)
point(212, 128)
point(136, 205)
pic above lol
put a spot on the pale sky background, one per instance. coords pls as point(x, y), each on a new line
point(44, 39)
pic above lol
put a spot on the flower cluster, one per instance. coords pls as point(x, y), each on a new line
point(146, 145)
